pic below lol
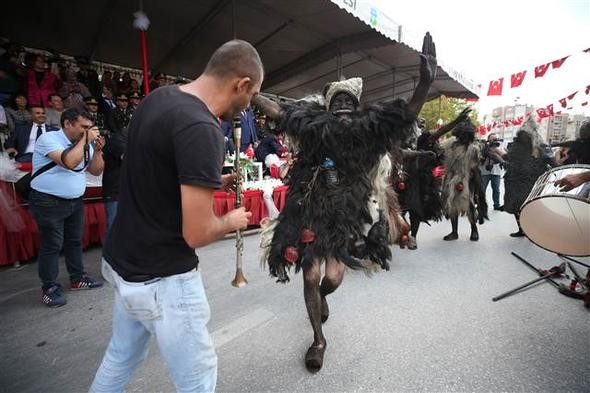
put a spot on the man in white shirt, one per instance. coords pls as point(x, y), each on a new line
point(21, 143)
point(491, 170)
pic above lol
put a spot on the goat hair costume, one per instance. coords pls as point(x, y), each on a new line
point(332, 208)
point(526, 161)
point(462, 193)
point(420, 193)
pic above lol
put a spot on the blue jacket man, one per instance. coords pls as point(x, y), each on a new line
point(22, 140)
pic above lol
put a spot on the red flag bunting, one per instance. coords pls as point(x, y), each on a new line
point(563, 102)
point(587, 50)
point(495, 88)
point(571, 96)
point(516, 79)
point(482, 130)
point(541, 70)
point(471, 99)
point(587, 89)
point(550, 109)
point(558, 113)
point(557, 63)
point(542, 113)
point(584, 103)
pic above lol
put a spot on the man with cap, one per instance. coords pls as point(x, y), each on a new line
point(134, 100)
point(102, 121)
point(122, 113)
point(335, 210)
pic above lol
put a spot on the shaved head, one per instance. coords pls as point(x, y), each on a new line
point(235, 58)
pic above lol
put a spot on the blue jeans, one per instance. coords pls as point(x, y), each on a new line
point(495, 179)
point(110, 207)
point(61, 224)
point(175, 311)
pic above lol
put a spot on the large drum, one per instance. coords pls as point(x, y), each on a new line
point(558, 221)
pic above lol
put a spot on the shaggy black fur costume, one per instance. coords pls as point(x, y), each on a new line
point(337, 212)
point(421, 196)
point(522, 171)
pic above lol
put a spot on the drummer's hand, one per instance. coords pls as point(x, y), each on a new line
point(228, 182)
point(572, 181)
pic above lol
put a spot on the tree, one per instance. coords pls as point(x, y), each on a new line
point(445, 108)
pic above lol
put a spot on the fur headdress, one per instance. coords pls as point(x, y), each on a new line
point(530, 128)
point(352, 86)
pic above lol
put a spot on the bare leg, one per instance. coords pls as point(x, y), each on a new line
point(454, 234)
point(331, 281)
point(314, 358)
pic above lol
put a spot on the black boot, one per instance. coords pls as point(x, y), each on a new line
point(453, 235)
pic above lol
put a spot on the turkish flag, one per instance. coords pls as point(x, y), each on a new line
point(541, 70)
point(587, 50)
point(571, 96)
point(516, 79)
point(550, 109)
point(585, 103)
point(482, 130)
point(495, 88)
point(558, 113)
point(563, 102)
point(587, 89)
point(542, 113)
point(557, 63)
point(517, 121)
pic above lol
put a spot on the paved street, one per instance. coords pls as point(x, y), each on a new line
point(427, 325)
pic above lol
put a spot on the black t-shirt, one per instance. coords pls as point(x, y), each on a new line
point(173, 139)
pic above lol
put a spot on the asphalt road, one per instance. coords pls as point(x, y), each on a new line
point(427, 325)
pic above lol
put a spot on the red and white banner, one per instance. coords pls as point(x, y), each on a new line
point(496, 86)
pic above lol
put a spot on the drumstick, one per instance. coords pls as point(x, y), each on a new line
point(555, 284)
point(554, 271)
point(574, 260)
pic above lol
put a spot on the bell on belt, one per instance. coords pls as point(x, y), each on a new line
point(459, 187)
point(307, 236)
point(291, 255)
point(401, 186)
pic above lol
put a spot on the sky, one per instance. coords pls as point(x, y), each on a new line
point(486, 40)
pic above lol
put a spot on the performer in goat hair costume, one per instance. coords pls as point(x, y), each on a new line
point(418, 183)
point(334, 210)
point(462, 193)
point(527, 159)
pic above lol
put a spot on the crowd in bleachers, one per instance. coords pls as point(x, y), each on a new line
point(37, 79)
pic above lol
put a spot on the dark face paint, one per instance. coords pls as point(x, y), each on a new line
point(343, 104)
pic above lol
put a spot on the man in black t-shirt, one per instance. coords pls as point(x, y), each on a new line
point(172, 167)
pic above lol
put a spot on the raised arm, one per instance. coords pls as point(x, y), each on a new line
point(464, 115)
point(427, 74)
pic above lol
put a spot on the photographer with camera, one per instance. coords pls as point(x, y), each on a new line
point(61, 158)
point(491, 167)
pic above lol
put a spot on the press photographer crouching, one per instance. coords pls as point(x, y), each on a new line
point(492, 167)
point(62, 157)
